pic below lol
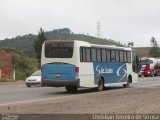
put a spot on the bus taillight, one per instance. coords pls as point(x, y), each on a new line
point(77, 70)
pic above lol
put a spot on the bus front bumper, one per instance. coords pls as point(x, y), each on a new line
point(60, 83)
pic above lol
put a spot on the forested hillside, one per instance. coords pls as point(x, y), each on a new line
point(24, 43)
point(143, 51)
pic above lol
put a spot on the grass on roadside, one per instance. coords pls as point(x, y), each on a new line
point(2, 80)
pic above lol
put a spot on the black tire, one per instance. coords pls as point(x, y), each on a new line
point(71, 89)
point(28, 85)
point(100, 85)
point(152, 74)
point(128, 83)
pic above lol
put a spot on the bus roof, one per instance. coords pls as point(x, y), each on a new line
point(110, 46)
point(95, 45)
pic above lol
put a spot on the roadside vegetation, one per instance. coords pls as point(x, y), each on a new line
point(153, 51)
point(6, 80)
point(143, 51)
point(23, 65)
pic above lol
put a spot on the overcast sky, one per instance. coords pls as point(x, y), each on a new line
point(121, 20)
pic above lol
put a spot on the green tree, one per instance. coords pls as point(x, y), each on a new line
point(154, 51)
point(37, 45)
point(130, 44)
point(154, 42)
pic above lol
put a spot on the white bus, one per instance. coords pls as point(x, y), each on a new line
point(73, 64)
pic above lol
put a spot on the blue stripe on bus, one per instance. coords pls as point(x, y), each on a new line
point(111, 72)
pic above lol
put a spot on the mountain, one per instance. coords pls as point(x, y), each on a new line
point(24, 43)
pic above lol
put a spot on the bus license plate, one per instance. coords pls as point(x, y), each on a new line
point(57, 75)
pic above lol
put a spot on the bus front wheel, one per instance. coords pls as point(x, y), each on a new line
point(71, 89)
point(100, 84)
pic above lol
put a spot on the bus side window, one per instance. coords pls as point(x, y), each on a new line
point(93, 55)
point(125, 56)
point(98, 55)
point(113, 56)
point(88, 54)
point(104, 55)
point(84, 54)
point(108, 55)
point(117, 56)
point(129, 56)
point(121, 56)
point(81, 55)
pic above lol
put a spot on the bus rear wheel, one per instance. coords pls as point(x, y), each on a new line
point(100, 84)
point(71, 89)
point(128, 83)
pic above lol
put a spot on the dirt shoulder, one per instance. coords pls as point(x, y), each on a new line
point(130, 100)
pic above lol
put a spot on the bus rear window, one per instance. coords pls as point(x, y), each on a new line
point(59, 49)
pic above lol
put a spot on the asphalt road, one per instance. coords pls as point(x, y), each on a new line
point(18, 93)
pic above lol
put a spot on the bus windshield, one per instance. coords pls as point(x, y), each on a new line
point(59, 49)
